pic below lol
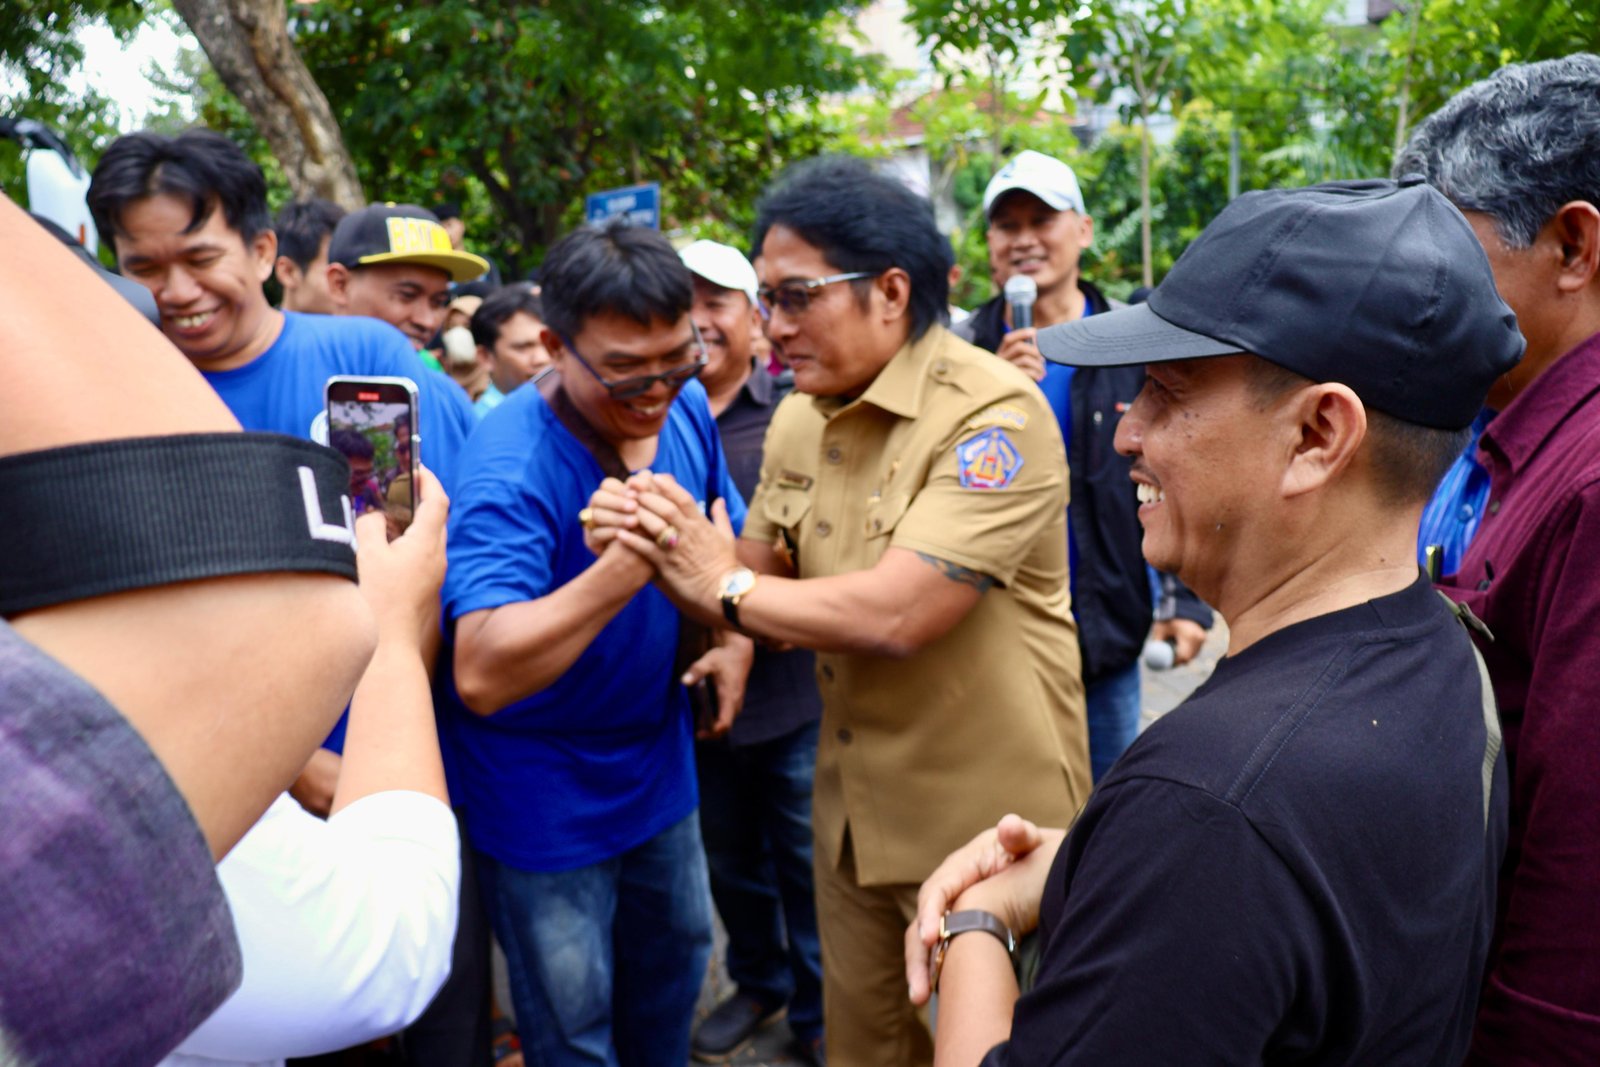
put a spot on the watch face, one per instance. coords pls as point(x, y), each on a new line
point(738, 582)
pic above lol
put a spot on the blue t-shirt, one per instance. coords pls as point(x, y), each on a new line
point(282, 391)
point(602, 760)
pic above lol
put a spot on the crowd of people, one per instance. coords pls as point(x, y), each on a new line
point(749, 583)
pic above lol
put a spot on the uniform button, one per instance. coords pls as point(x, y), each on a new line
point(834, 455)
point(1466, 512)
point(877, 524)
point(827, 671)
point(1494, 507)
point(824, 528)
point(844, 736)
point(940, 369)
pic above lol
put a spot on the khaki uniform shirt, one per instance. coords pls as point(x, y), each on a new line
point(953, 453)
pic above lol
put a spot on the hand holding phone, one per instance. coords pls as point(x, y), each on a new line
point(373, 422)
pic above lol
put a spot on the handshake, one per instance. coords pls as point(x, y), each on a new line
point(651, 529)
point(656, 527)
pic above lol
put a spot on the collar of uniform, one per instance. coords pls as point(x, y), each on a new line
point(898, 387)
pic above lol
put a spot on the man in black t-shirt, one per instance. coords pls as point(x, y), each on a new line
point(1298, 864)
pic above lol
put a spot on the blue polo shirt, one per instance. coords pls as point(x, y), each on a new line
point(602, 760)
point(282, 390)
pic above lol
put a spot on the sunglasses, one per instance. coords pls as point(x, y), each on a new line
point(628, 388)
point(794, 297)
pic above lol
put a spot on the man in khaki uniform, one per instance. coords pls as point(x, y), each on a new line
point(910, 527)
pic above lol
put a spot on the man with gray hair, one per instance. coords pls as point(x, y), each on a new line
point(1519, 154)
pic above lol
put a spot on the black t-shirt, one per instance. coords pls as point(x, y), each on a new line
point(1297, 865)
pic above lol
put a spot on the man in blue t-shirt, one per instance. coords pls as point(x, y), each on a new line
point(568, 726)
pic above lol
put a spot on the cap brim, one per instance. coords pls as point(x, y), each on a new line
point(1049, 197)
point(461, 266)
point(1126, 337)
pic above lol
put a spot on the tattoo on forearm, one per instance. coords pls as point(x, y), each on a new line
point(957, 573)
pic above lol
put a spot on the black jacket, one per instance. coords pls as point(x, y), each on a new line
point(1111, 587)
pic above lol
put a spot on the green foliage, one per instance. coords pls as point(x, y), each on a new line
point(519, 110)
point(39, 52)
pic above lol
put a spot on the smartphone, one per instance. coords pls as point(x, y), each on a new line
point(373, 422)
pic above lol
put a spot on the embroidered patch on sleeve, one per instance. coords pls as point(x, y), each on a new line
point(988, 460)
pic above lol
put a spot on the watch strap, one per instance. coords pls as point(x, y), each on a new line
point(956, 923)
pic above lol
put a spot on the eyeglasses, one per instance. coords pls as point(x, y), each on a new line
point(628, 388)
point(793, 297)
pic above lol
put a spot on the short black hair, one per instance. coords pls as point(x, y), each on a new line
point(864, 221)
point(351, 443)
point(447, 209)
point(498, 307)
point(302, 225)
point(202, 167)
point(1409, 459)
point(613, 269)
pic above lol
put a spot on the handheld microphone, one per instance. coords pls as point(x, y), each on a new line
point(1021, 291)
point(1160, 655)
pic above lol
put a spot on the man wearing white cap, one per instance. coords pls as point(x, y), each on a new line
point(755, 784)
point(1038, 229)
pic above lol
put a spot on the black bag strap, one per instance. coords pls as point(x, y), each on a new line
point(603, 451)
point(694, 638)
point(112, 516)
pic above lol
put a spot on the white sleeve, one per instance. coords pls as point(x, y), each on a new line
point(346, 926)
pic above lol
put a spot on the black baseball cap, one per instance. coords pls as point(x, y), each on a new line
point(400, 233)
point(1379, 285)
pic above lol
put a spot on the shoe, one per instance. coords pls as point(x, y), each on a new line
point(729, 1028)
point(813, 1051)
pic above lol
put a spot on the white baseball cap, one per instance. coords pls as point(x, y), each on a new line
point(1044, 176)
point(721, 265)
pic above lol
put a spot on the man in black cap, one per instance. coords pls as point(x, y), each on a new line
point(395, 262)
point(1297, 864)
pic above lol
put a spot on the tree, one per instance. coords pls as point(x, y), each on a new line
point(521, 109)
point(248, 43)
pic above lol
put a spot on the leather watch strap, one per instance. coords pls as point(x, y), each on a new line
point(956, 923)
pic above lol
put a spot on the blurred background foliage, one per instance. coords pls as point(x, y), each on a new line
point(516, 110)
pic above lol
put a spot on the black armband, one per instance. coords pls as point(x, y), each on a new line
point(113, 516)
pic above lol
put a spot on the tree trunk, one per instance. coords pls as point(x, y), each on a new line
point(248, 43)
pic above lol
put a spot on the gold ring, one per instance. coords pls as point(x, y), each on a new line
point(668, 538)
point(586, 518)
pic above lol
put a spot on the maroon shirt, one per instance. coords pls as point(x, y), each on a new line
point(1533, 575)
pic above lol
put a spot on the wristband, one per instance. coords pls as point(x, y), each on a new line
point(955, 923)
point(112, 516)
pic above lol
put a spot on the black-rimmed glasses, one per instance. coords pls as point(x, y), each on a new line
point(628, 388)
point(794, 296)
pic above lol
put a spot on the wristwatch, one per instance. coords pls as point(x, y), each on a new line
point(734, 585)
point(955, 923)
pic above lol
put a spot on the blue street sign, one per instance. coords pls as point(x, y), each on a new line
point(640, 204)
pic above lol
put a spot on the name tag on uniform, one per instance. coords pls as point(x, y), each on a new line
point(988, 460)
point(788, 479)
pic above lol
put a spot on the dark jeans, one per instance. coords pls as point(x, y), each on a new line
point(606, 961)
point(1113, 718)
point(755, 815)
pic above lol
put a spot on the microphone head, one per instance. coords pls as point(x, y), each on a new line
point(1021, 289)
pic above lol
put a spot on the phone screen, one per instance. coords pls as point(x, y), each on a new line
point(372, 422)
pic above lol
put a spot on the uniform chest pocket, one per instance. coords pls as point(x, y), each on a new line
point(786, 507)
point(884, 513)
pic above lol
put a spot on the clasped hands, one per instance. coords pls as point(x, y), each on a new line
point(1001, 871)
point(659, 523)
